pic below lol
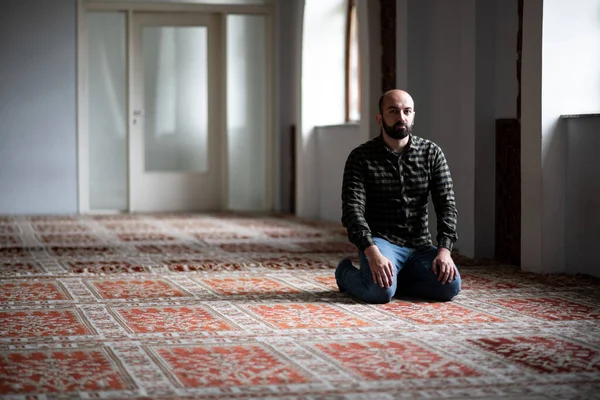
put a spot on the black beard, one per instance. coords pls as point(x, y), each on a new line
point(394, 133)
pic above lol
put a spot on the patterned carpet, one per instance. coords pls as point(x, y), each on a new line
point(224, 306)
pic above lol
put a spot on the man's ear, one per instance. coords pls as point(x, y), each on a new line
point(378, 117)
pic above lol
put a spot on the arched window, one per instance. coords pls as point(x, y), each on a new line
point(352, 65)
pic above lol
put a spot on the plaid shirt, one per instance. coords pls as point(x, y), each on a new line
point(385, 194)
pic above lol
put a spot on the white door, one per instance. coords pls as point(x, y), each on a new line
point(177, 154)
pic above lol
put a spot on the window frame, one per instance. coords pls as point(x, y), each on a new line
point(351, 25)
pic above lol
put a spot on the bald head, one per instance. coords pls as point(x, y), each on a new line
point(396, 114)
point(395, 96)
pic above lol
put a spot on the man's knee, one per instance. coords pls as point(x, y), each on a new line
point(448, 291)
point(379, 295)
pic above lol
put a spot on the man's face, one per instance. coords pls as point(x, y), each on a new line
point(399, 130)
point(397, 117)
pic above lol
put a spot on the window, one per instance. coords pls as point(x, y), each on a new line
point(352, 65)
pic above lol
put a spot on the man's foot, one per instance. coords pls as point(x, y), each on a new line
point(340, 270)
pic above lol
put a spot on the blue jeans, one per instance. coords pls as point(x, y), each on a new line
point(413, 276)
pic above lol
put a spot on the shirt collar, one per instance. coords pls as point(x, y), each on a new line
point(412, 143)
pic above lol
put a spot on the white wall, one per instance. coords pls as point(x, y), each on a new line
point(107, 110)
point(323, 58)
point(560, 76)
point(322, 91)
point(506, 23)
point(38, 170)
point(582, 227)
point(246, 112)
point(461, 71)
point(571, 85)
point(457, 59)
point(323, 145)
point(288, 56)
point(440, 70)
point(571, 61)
point(496, 88)
point(333, 144)
point(485, 93)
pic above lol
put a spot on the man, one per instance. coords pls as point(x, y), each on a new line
point(385, 193)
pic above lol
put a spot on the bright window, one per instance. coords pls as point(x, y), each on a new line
point(352, 65)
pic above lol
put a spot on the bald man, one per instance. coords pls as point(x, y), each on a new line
point(385, 192)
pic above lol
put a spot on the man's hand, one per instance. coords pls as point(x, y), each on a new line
point(381, 267)
point(444, 267)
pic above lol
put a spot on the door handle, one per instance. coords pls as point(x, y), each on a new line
point(137, 114)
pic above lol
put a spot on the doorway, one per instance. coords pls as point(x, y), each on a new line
point(175, 108)
point(176, 123)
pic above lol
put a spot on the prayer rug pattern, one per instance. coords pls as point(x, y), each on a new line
point(226, 306)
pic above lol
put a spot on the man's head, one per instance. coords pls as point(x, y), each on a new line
point(396, 113)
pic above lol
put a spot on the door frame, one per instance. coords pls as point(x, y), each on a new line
point(217, 132)
point(130, 8)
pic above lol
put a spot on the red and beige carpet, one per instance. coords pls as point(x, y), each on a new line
point(225, 306)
